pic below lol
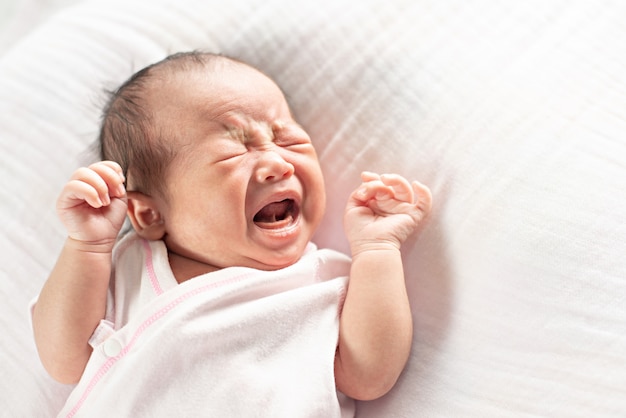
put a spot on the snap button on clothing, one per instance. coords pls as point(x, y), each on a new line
point(112, 347)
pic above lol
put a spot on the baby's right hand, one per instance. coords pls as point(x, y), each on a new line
point(93, 204)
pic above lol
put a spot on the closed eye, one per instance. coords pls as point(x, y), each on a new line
point(290, 136)
point(229, 157)
point(227, 150)
point(291, 142)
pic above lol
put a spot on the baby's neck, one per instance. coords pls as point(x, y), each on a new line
point(185, 268)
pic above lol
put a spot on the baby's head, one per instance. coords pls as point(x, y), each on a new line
point(131, 135)
point(215, 164)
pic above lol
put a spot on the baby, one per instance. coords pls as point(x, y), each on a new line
point(202, 153)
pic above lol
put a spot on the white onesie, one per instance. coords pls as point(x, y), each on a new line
point(237, 342)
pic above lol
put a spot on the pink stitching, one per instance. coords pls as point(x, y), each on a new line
point(150, 268)
point(142, 328)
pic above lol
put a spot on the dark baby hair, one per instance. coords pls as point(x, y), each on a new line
point(130, 136)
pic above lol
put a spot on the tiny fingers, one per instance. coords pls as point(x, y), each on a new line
point(393, 187)
point(88, 185)
point(95, 185)
point(112, 175)
point(402, 189)
point(390, 186)
point(373, 190)
point(374, 187)
point(369, 176)
point(423, 196)
point(77, 191)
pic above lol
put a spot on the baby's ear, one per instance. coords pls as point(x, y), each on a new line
point(144, 214)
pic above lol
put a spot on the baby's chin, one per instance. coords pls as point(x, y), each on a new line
point(275, 260)
point(275, 264)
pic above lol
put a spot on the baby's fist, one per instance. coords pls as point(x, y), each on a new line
point(92, 205)
point(385, 210)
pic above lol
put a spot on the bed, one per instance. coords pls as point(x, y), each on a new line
point(514, 113)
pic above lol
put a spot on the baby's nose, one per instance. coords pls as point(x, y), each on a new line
point(273, 167)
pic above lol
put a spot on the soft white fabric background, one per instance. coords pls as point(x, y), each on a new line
point(20, 17)
point(513, 113)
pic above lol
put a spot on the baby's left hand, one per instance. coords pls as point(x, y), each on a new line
point(384, 211)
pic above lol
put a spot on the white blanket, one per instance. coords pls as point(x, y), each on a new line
point(234, 343)
point(514, 113)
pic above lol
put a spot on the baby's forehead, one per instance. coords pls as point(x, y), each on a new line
point(213, 79)
point(217, 70)
point(218, 86)
point(185, 101)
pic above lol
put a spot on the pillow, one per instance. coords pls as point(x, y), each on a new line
point(514, 116)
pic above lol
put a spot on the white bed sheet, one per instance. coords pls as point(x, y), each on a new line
point(514, 114)
point(20, 17)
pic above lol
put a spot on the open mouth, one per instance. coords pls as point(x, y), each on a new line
point(277, 215)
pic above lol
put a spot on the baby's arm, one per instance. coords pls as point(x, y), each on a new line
point(376, 327)
point(92, 206)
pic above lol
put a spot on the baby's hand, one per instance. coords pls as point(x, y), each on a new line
point(92, 205)
point(384, 211)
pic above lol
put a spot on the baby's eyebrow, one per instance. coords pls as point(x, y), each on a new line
point(237, 133)
point(243, 127)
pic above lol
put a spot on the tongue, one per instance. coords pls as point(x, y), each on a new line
point(273, 212)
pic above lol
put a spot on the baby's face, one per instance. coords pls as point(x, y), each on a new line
point(246, 188)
